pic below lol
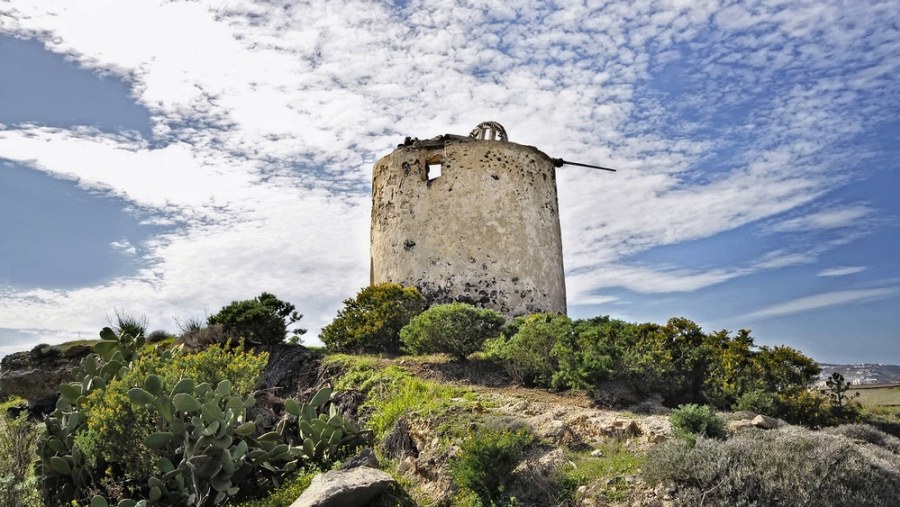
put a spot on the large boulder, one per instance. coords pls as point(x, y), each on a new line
point(345, 488)
point(35, 375)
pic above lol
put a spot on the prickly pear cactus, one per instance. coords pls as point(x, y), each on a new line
point(316, 430)
point(206, 448)
point(61, 468)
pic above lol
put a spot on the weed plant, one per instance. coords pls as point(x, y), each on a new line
point(125, 322)
point(18, 444)
point(486, 463)
point(191, 324)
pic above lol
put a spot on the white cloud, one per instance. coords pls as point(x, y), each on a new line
point(845, 217)
point(646, 280)
point(784, 258)
point(824, 300)
point(124, 247)
point(269, 117)
point(841, 271)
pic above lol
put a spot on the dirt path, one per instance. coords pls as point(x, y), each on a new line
point(567, 417)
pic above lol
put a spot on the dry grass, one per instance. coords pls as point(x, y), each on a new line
point(877, 396)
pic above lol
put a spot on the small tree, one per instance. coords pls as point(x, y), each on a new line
point(456, 328)
point(371, 322)
point(262, 320)
point(839, 399)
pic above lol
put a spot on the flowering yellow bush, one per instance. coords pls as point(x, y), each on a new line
point(114, 423)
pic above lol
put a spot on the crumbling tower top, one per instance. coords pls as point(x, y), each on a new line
point(489, 130)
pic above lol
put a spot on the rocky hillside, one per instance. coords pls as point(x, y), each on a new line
point(427, 415)
point(444, 432)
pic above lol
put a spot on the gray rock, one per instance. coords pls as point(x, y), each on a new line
point(765, 422)
point(35, 375)
point(740, 425)
point(345, 488)
point(365, 458)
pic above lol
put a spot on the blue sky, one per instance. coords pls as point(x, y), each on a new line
point(166, 158)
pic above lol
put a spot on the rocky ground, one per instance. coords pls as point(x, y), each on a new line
point(572, 433)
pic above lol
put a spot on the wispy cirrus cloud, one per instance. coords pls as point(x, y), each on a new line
point(855, 216)
point(824, 300)
point(841, 271)
point(643, 279)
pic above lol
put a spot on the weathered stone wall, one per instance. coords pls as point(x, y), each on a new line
point(485, 232)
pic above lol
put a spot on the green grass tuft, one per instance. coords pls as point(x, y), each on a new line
point(615, 463)
point(392, 391)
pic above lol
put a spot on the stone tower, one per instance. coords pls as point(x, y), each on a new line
point(472, 219)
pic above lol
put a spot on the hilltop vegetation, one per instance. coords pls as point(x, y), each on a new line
point(541, 410)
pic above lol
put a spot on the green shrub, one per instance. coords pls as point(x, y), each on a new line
point(158, 335)
point(759, 401)
point(622, 362)
point(690, 421)
point(804, 407)
point(486, 462)
point(801, 407)
point(786, 468)
point(527, 355)
point(262, 320)
point(458, 329)
point(371, 322)
point(18, 446)
point(594, 352)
